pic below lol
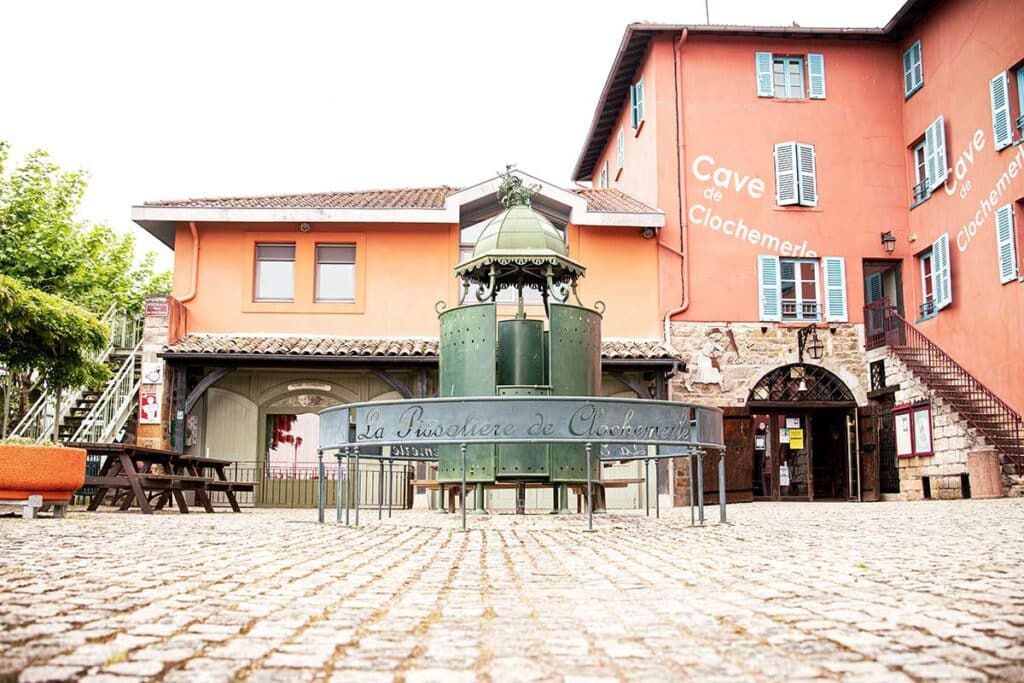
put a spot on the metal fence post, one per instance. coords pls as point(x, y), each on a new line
point(391, 484)
point(657, 489)
point(689, 482)
point(321, 488)
point(590, 493)
point(700, 487)
point(348, 486)
point(462, 498)
point(337, 487)
point(380, 490)
point(358, 493)
point(721, 487)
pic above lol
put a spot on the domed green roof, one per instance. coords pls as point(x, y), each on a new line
point(520, 229)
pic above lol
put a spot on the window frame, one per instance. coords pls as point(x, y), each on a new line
point(799, 302)
point(636, 104)
point(317, 298)
point(257, 261)
point(602, 176)
point(928, 308)
point(921, 190)
point(789, 60)
point(620, 147)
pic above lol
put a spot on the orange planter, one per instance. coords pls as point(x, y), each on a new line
point(47, 471)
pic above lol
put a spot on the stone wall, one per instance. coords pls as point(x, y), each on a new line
point(745, 352)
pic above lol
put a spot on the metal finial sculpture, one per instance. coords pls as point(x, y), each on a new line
point(512, 192)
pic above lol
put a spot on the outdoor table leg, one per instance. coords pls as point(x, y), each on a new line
point(109, 469)
point(179, 498)
point(133, 480)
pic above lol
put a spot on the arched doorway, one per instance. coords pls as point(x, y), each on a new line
point(805, 435)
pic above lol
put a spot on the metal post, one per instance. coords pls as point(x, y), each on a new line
point(689, 481)
point(321, 492)
point(647, 490)
point(357, 493)
point(657, 489)
point(440, 492)
point(339, 485)
point(380, 490)
point(348, 486)
point(391, 484)
point(590, 493)
point(462, 452)
point(721, 487)
point(700, 488)
point(478, 499)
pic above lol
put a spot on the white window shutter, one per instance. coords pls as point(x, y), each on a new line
point(1002, 124)
point(834, 268)
point(1006, 244)
point(785, 174)
point(941, 275)
point(808, 175)
point(769, 293)
point(935, 153)
point(765, 78)
point(816, 76)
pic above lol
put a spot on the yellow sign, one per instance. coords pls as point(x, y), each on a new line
point(796, 439)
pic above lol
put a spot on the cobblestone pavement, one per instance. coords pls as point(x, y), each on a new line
point(871, 592)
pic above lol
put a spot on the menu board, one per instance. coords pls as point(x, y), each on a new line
point(903, 441)
point(922, 432)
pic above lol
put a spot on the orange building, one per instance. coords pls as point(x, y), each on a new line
point(864, 182)
point(817, 229)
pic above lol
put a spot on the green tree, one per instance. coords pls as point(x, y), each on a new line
point(46, 248)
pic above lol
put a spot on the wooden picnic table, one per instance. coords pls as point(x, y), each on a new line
point(131, 473)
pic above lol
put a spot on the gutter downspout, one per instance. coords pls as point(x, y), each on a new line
point(195, 263)
point(683, 252)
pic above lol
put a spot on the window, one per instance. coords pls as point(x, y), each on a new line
point(1006, 244)
point(275, 272)
point(796, 180)
point(913, 73)
point(335, 272)
point(927, 285)
point(799, 289)
point(602, 177)
point(936, 283)
point(620, 148)
point(636, 104)
point(1020, 100)
point(913, 430)
point(789, 289)
point(921, 189)
point(929, 160)
point(782, 76)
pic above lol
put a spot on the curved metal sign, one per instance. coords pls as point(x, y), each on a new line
point(521, 420)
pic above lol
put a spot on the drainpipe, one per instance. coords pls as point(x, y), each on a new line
point(195, 263)
point(683, 252)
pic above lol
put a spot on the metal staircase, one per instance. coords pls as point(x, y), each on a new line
point(1000, 425)
point(76, 406)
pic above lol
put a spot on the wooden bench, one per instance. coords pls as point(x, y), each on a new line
point(242, 486)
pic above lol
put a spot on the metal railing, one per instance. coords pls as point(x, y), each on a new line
point(110, 413)
point(1000, 424)
point(37, 423)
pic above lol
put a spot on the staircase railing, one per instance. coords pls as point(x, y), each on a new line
point(37, 423)
point(1001, 425)
point(110, 413)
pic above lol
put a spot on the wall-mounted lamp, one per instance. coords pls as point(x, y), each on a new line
point(807, 340)
point(889, 241)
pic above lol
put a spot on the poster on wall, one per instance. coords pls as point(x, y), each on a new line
point(149, 408)
point(759, 442)
point(192, 430)
point(922, 431)
point(783, 435)
point(793, 422)
point(796, 439)
point(903, 442)
point(783, 475)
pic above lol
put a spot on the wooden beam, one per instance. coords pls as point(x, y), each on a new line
point(204, 384)
point(392, 381)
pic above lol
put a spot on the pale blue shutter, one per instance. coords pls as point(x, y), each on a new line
point(816, 76)
point(834, 268)
point(769, 294)
point(634, 119)
point(875, 289)
point(785, 174)
point(941, 276)
point(1006, 244)
point(935, 153)
point(639, 90)
point(808, 175)
point(1002, 124)
point(908, 74)
point(913, 72)
point(765, 79)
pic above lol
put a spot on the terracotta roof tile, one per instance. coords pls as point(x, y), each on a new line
point(217, 344)
point(605, 200)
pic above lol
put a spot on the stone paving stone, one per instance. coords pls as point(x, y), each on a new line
point(873, 592)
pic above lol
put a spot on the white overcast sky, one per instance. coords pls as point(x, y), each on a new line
point(165, 100)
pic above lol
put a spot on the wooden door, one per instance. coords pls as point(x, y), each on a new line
point(739, 460)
